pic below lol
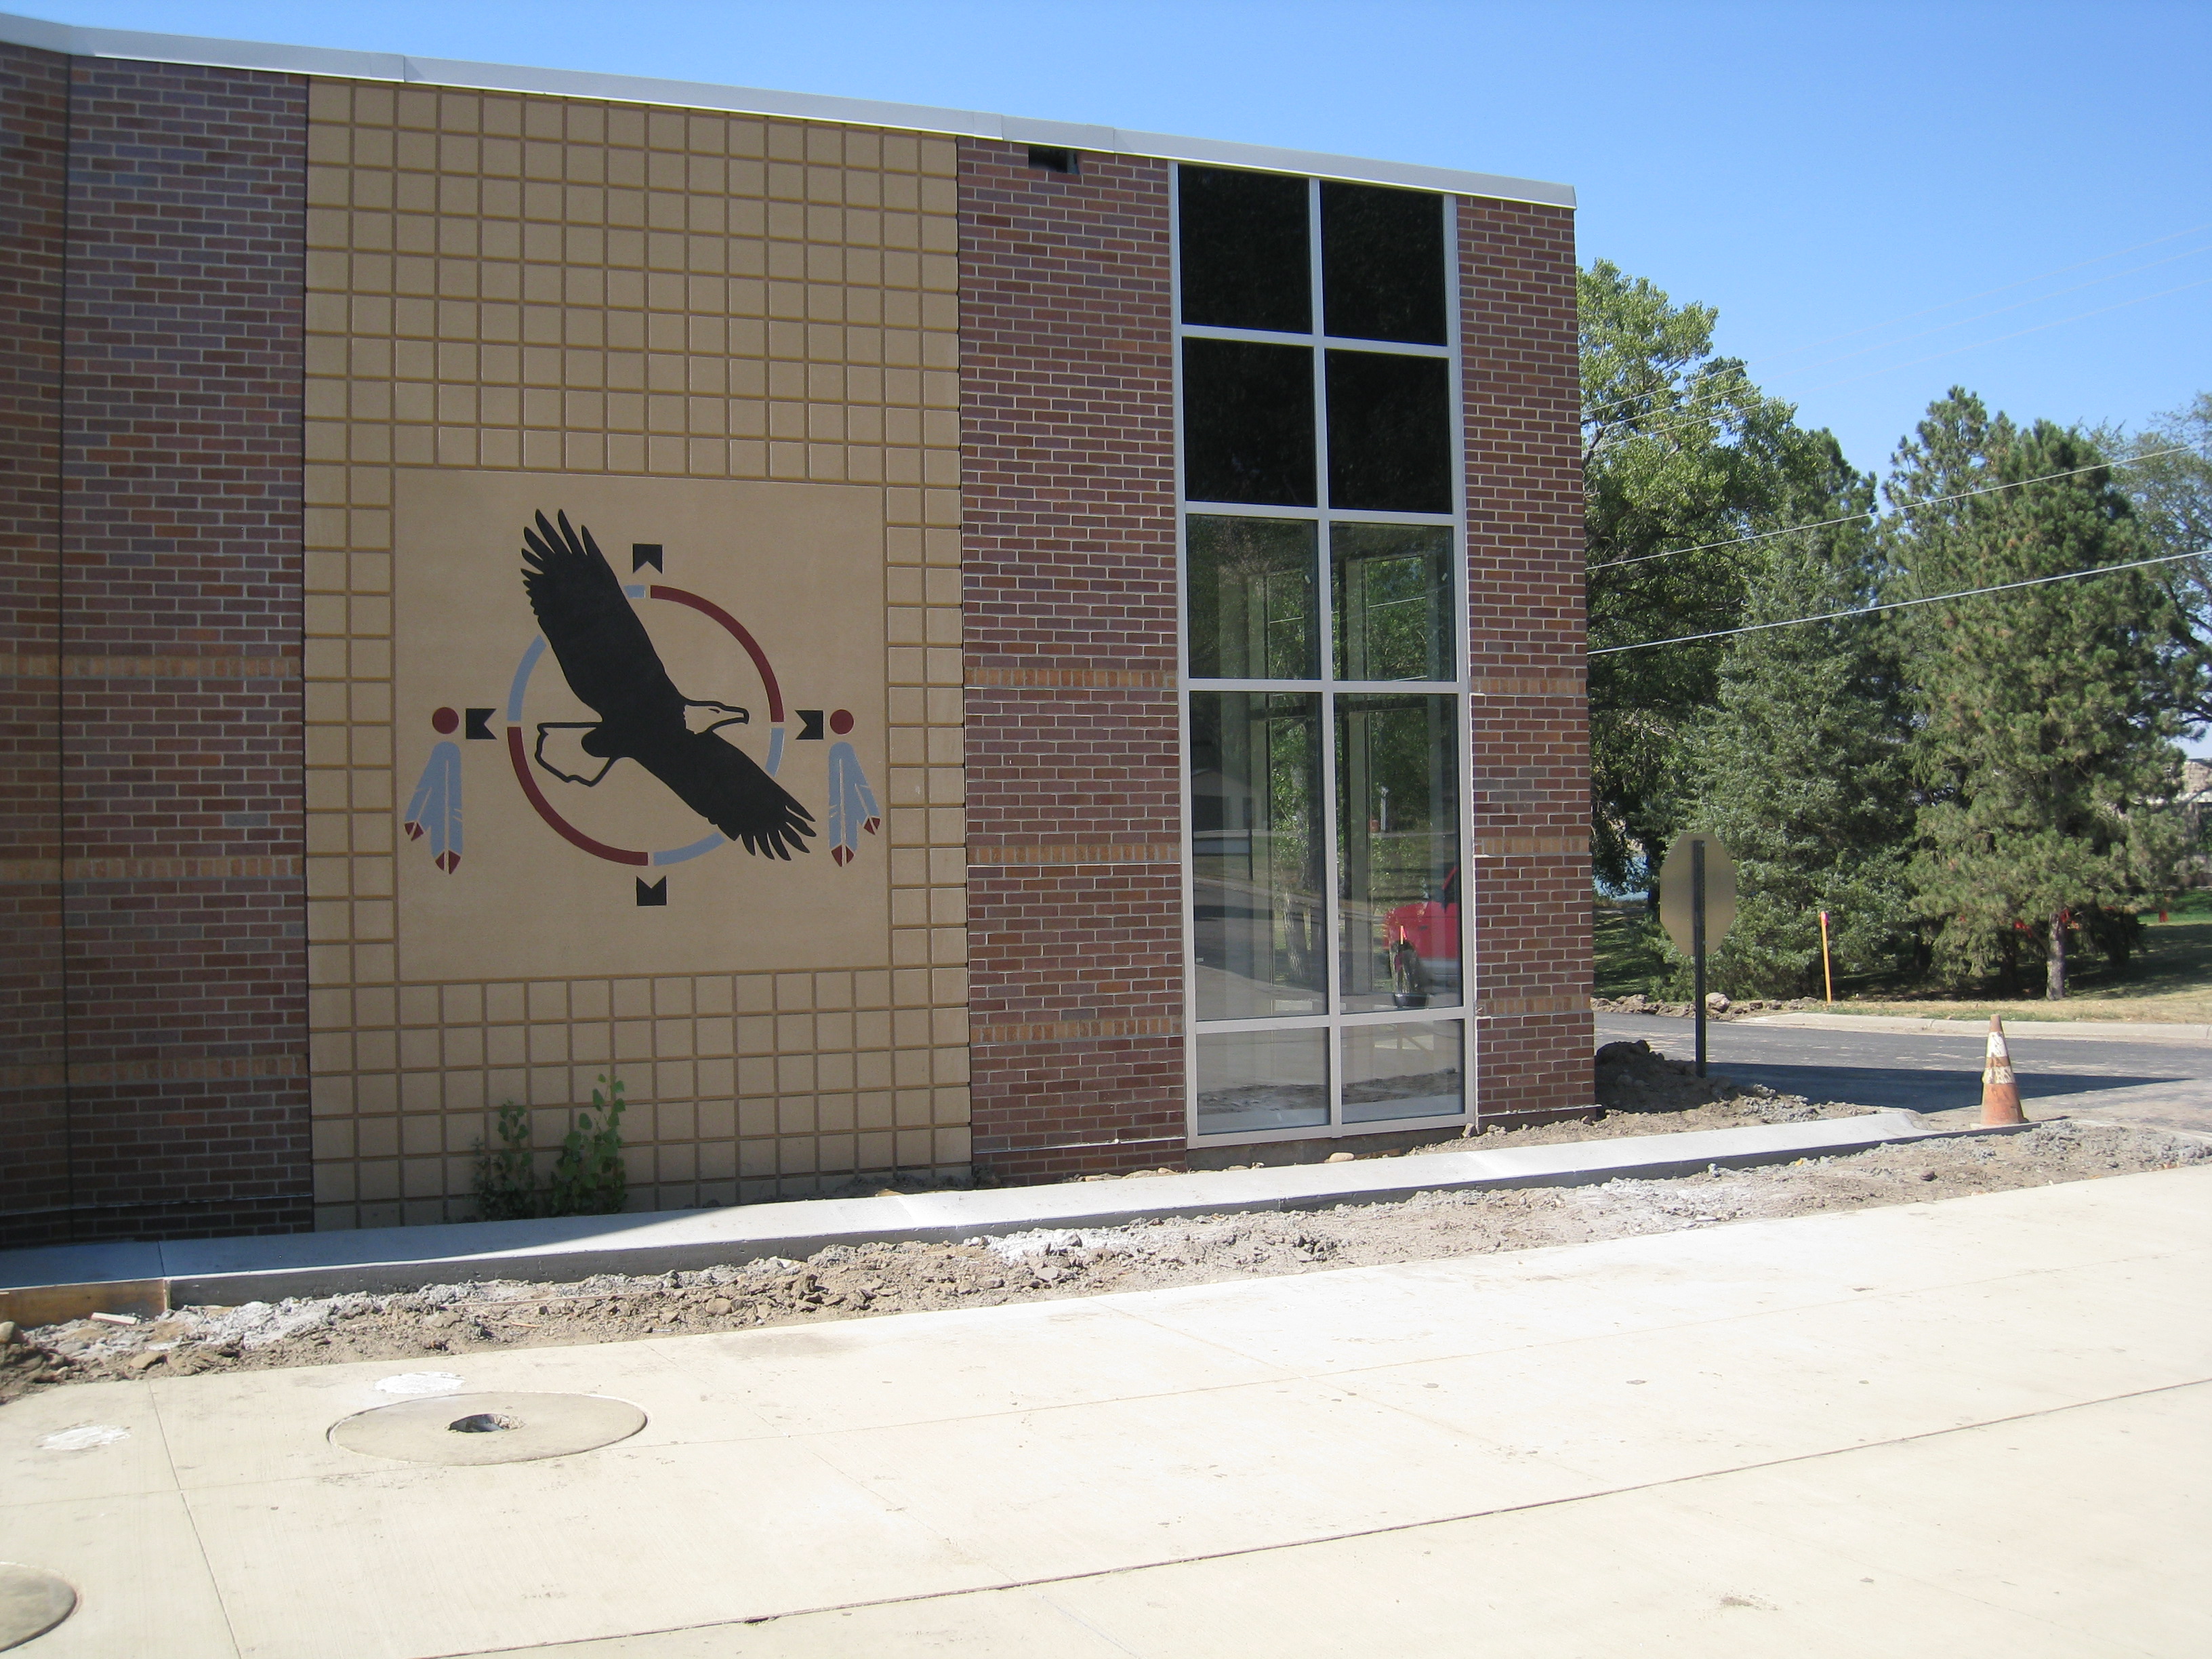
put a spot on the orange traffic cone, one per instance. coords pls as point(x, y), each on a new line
point(1999, 1088)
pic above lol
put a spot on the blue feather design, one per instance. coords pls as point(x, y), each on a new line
point(851, 803)
point(434, 809)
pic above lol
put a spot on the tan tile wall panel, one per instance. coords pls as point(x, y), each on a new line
point(546, 284)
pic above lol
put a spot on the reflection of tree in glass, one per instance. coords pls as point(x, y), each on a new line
point(1255, 824)
point(1393, 586)
point(1398, 807)
point(1294, 847)
point(1251, 587)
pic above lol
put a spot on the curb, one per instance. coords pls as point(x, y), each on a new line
point(270, 1268)
point(2021, 1030)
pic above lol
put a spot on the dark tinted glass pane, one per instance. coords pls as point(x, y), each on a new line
point(1383, 264)
point(1390, 433)
point(1244, 248)
point(1247, 423)
point(1251, 586)
point(1393, 584)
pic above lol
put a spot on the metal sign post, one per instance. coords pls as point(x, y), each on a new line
point(1698, 942)
point(1697, 906)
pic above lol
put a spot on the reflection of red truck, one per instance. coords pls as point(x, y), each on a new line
point(1432, 927)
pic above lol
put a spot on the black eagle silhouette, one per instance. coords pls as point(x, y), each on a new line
point(609, 661)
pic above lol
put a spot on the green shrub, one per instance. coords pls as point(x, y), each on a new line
point(587, 1177)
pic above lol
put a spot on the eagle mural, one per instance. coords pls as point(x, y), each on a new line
point(609, 663)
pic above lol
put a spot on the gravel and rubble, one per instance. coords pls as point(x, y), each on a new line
point(444, 1323)
point(1717, 1006)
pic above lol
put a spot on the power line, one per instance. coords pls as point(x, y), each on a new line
point(1931, 501)
point(1899, 605)
point(1968, 299)
point(2002, 287)
point(1948, 351)
point(1983, 316)
point(1998, 339)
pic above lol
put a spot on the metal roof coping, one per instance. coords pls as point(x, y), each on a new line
point(337, 63)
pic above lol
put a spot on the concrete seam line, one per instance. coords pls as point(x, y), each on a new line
point(1353, 1533)
point(801, 1438)
point(191, 1518)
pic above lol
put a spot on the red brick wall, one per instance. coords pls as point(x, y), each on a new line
point(1074, 894)
point(33, 111)
point(184, 908)
point(1531, 898)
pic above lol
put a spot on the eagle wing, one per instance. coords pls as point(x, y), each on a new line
point(604, 651)
point(609, 663)
point(723, 785)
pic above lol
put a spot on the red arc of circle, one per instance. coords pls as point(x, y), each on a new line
point(737, 631)
point(516, 753)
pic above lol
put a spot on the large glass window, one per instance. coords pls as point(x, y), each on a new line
point(1397, 851)
point(1247, 423)
point(1393, 587)
point(1257, 845)
point(1252, 607)
point(1383, 264)
point(1243, 246)
point(1324, 699)
point(1390, 432)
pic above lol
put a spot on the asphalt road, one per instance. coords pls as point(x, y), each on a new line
point(2162, 1084)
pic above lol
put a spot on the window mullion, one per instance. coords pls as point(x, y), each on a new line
point(1332, 909)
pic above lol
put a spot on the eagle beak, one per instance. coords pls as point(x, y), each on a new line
point(704, 717)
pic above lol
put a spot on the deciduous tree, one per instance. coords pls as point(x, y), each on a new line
point(1679, 449)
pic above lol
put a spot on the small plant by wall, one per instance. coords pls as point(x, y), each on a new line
point(587, 1177)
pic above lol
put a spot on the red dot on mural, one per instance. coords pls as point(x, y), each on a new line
point(445, 720)
point(841, 721)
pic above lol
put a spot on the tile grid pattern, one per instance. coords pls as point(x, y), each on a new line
point(1531, 937)
point(510, 282)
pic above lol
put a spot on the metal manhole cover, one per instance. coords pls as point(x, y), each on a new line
point(467, 1429)
point(31, 1603)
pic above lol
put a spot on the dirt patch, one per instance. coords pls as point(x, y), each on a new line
point(450, 1322)
point(1717, 1006)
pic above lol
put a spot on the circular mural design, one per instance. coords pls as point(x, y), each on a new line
point(518, 747)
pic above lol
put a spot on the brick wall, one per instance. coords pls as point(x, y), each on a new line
point(1530, 898)
point(34, 111)
point(180, 572)
point(1074, 896)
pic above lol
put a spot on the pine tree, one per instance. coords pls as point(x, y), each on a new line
point(1802, 768)
point(2048, 714)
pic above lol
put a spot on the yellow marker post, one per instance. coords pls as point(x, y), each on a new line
point(1828, 975)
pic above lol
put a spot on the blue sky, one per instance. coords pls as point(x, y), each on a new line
point(1812, 171)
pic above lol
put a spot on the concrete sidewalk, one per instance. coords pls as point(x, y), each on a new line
point(152, 1276)
point(1975, 1426)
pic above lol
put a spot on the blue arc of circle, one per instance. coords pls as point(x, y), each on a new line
point(706, 843)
